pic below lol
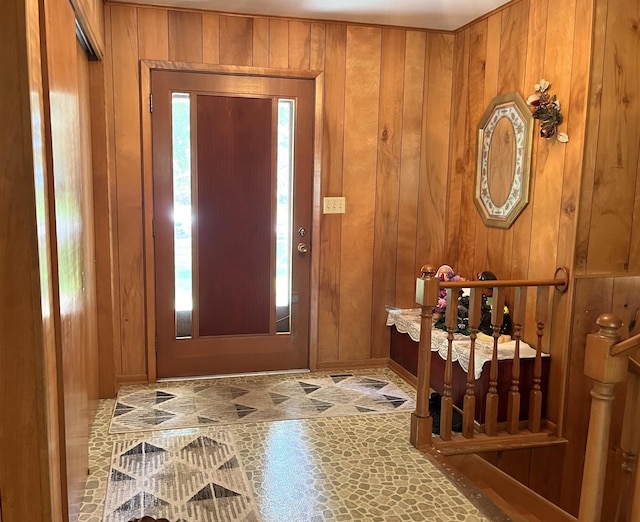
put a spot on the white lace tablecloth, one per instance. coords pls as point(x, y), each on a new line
point(408, 321)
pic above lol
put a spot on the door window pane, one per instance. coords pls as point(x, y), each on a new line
point(284, 198)
point(181, 143)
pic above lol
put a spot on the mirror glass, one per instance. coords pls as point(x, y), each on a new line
point(505, 135)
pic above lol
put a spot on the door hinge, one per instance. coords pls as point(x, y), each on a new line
point(151, 103)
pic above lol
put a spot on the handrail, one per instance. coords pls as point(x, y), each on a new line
point(631, 343)
point(561, 283)
point(428, 288)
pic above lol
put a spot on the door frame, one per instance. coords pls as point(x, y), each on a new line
point(146, 66)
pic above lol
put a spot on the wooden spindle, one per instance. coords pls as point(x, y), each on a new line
point(630, 445)
point(469, 405)
point(605, 371)
point(535, 395)
point(427, 288)
point(513, 408)
point(497, 316)
point(446, 403)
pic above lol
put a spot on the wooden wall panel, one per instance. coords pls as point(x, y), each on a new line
point(31, 479)
point(236, 40)
point(332, 176)
point(362, 87)
point(409, 183)
point(387, 179)
point(185, 37)
point(614, 205)
point(128, 165)
point(357, 162)
point(299, 45)
point(210, 38)
point(153, 34)
point(279, 44)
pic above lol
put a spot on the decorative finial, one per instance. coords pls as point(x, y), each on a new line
point(428, 271)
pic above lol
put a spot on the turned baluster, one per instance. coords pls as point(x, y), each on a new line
point(446, 403)
point(513, 408)
point(427, 288)
point(469, 406)
point(630, 444)
point(535, 395)
point(497, 316)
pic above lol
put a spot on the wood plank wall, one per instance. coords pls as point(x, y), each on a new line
point(384, 143)
point(511, 50)
point(68, 132)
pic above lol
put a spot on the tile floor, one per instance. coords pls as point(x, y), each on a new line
point(356, 468)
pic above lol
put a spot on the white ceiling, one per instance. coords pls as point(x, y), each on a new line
point(430, 14)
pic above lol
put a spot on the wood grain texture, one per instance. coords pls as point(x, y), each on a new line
point(278, 43)
point(72, 191)
point(435, 159)
point(90, 17)
point(299, 45)
point(362, 85)
point(409, 182)
point(129, 188)
point(153, 34)
point(318, 42)
point(387, 179)
point(332, 176)
point(236, 40)
point(185, 36)
point(614, 205)
point(261, 42)
point(28, 376)
point(210, 38)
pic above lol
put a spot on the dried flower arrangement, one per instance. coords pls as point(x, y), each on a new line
point(546, 108)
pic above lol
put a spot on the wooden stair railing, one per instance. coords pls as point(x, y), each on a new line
point(607, 362)
point(427, 290)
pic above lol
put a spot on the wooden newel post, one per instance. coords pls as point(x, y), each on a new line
point(605, 370)
point(427, 288)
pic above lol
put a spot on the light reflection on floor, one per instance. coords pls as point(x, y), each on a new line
point(357, 468)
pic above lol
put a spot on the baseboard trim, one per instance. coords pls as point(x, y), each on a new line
point(356, 365)
point(403, 373)
point(140, 378)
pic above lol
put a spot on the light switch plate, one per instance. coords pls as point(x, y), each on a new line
point(334, 205)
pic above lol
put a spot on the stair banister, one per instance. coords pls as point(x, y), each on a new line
point(606, 363)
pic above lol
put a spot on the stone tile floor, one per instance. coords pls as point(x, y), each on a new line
point(358, 468)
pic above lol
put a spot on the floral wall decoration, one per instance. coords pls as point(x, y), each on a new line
point(546, 108)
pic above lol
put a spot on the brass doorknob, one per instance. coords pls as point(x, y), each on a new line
point(302, 248)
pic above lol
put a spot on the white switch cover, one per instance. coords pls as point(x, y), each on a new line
point(334, 206)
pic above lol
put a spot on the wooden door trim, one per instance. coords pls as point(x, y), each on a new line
point(146, 66)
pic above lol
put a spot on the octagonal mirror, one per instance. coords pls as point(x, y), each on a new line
point(505, 135)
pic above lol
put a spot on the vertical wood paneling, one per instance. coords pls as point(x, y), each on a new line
point(185, 36)
point(490, 87)
point(299, 45)
point(616, 170)
point(210, 38)
point(332, 176)
point(153, 34)
point(410, 172)
point(316, 60)
point(457, 174)
point(360, 152)
point(475, 107)
point(236, 40)
point(261, 42)
point(279, 43)
point(387, 178)
point(129, 190)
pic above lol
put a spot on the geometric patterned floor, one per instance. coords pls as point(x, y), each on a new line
point(194, 403)
point(317, 469)
point(183, 478)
